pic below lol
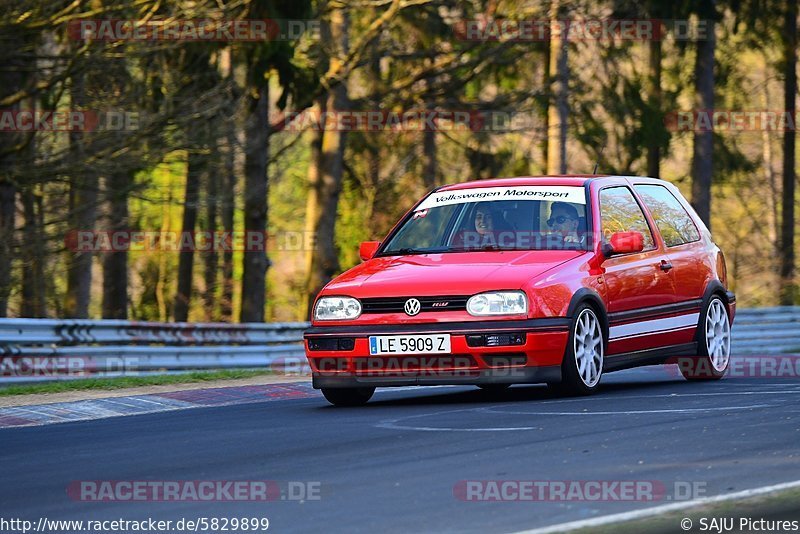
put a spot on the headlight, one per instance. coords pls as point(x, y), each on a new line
point(337, 308)
point(498, 303)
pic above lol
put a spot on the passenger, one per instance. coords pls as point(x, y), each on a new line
point(489, 228)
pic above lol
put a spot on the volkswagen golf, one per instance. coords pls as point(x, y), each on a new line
point(554, 279)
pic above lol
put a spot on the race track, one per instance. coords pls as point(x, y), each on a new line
point(398, 464)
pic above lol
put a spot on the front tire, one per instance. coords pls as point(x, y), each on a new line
point(713, 344)
point(583, 360)
point(348, 396)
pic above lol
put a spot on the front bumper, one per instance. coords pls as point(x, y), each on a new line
point(536, 358)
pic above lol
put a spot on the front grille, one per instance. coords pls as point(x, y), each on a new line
point(427, 304)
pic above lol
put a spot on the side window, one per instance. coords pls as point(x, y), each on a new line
point(675, 225)
point(619, 212)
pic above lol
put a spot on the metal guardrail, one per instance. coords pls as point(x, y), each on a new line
point(47, 349)
point(766, 331)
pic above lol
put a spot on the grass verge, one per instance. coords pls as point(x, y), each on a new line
point(129, 381)
point(779, 506)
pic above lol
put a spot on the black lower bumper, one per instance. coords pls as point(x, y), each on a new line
point(529, 325)
point(517, 375)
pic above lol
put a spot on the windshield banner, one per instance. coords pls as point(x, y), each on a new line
point(572, 194)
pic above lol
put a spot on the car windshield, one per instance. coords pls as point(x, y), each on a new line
point(494, 218)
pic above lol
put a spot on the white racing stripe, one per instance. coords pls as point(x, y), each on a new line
point(658, 510)
point(653, 326)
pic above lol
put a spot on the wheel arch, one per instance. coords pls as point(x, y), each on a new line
point(715, 287)
point(588, 296)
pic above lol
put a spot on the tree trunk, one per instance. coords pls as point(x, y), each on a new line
point(702, 158)
point(15, 72)
point(326, 182)
point(33, 253)
point(211, 258)
point(772, 199)
point(195, 168)
point(8, 194)
point(313, 201)
point(557, 107)
point(542, 168)
point(654, 65)
point(226, 145)
point(82, 214)
point(33, 249)
point(430, 167)
point(787, 296)
point(256, 190)
point(115, 264)
point(228, 208)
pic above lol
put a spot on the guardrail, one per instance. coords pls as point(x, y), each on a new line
point(42, 349)
point(766, 331)
point(47, 349)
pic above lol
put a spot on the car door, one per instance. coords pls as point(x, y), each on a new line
point(640, 288)
point(685, 250)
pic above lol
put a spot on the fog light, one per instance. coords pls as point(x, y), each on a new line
point(496, 339)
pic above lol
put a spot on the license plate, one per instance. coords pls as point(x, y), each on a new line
point(411, 344)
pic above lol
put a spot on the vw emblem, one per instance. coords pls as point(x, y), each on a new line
point(412, 307)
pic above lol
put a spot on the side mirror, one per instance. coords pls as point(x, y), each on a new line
point(367, 249)
point(623, 243)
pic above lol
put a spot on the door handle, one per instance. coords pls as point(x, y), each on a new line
point(665, 265)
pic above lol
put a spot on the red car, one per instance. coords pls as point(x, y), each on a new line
point(526, 280)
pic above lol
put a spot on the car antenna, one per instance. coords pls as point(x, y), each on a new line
point(600, 155)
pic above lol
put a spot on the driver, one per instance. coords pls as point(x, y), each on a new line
point(564, 221)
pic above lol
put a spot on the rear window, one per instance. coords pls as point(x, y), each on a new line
point(672, 220)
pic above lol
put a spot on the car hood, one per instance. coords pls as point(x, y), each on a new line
point(455, 273)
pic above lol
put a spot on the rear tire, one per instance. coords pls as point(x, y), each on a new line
point(582, 367)
point(713, 344)
point(348, 396)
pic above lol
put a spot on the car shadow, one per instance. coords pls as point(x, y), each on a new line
point(521, 393)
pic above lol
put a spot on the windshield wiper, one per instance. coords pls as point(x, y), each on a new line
point(481, 248)
point(406, 251)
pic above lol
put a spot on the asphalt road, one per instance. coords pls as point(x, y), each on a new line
point(392, 465)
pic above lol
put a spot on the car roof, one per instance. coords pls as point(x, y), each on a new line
point(562, 179)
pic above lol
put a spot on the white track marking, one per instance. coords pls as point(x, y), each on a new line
point(637, 412)
point(396, 424)
point(657, 510)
